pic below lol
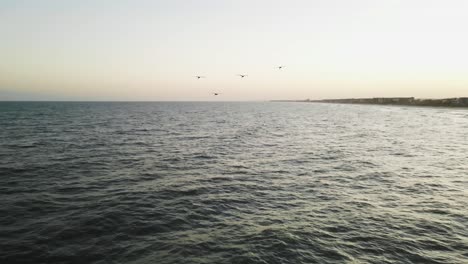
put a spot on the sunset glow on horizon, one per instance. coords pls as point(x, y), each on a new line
point(151, 50)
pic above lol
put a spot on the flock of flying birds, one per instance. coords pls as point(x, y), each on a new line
point(240, 75)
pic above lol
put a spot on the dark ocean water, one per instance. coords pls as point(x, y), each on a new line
point(232, 183)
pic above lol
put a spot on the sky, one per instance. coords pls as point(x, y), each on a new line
point(151, 50)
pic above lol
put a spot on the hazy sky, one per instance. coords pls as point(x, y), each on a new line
point(150, 50)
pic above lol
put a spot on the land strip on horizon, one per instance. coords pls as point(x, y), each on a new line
point(446, 102)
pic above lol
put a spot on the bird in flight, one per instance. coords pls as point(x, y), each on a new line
point(216, 94)
point(242, 75)
point(280, 67)
point(199, 77)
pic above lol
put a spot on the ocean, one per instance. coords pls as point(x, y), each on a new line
point(232, 182)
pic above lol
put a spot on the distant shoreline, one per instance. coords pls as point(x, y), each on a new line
point(408, 101)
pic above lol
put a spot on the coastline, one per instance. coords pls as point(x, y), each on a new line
point(406, 101)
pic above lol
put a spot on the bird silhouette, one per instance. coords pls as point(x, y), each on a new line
point(280, 67)
point(242, 75)
point(199, 77)
point(216, 94)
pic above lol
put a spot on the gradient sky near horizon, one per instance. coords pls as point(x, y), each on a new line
point(150, 50)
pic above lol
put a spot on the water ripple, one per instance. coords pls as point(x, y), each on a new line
point(232, 183)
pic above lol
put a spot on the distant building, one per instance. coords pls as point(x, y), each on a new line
point(463, 101)
point(394, 100)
